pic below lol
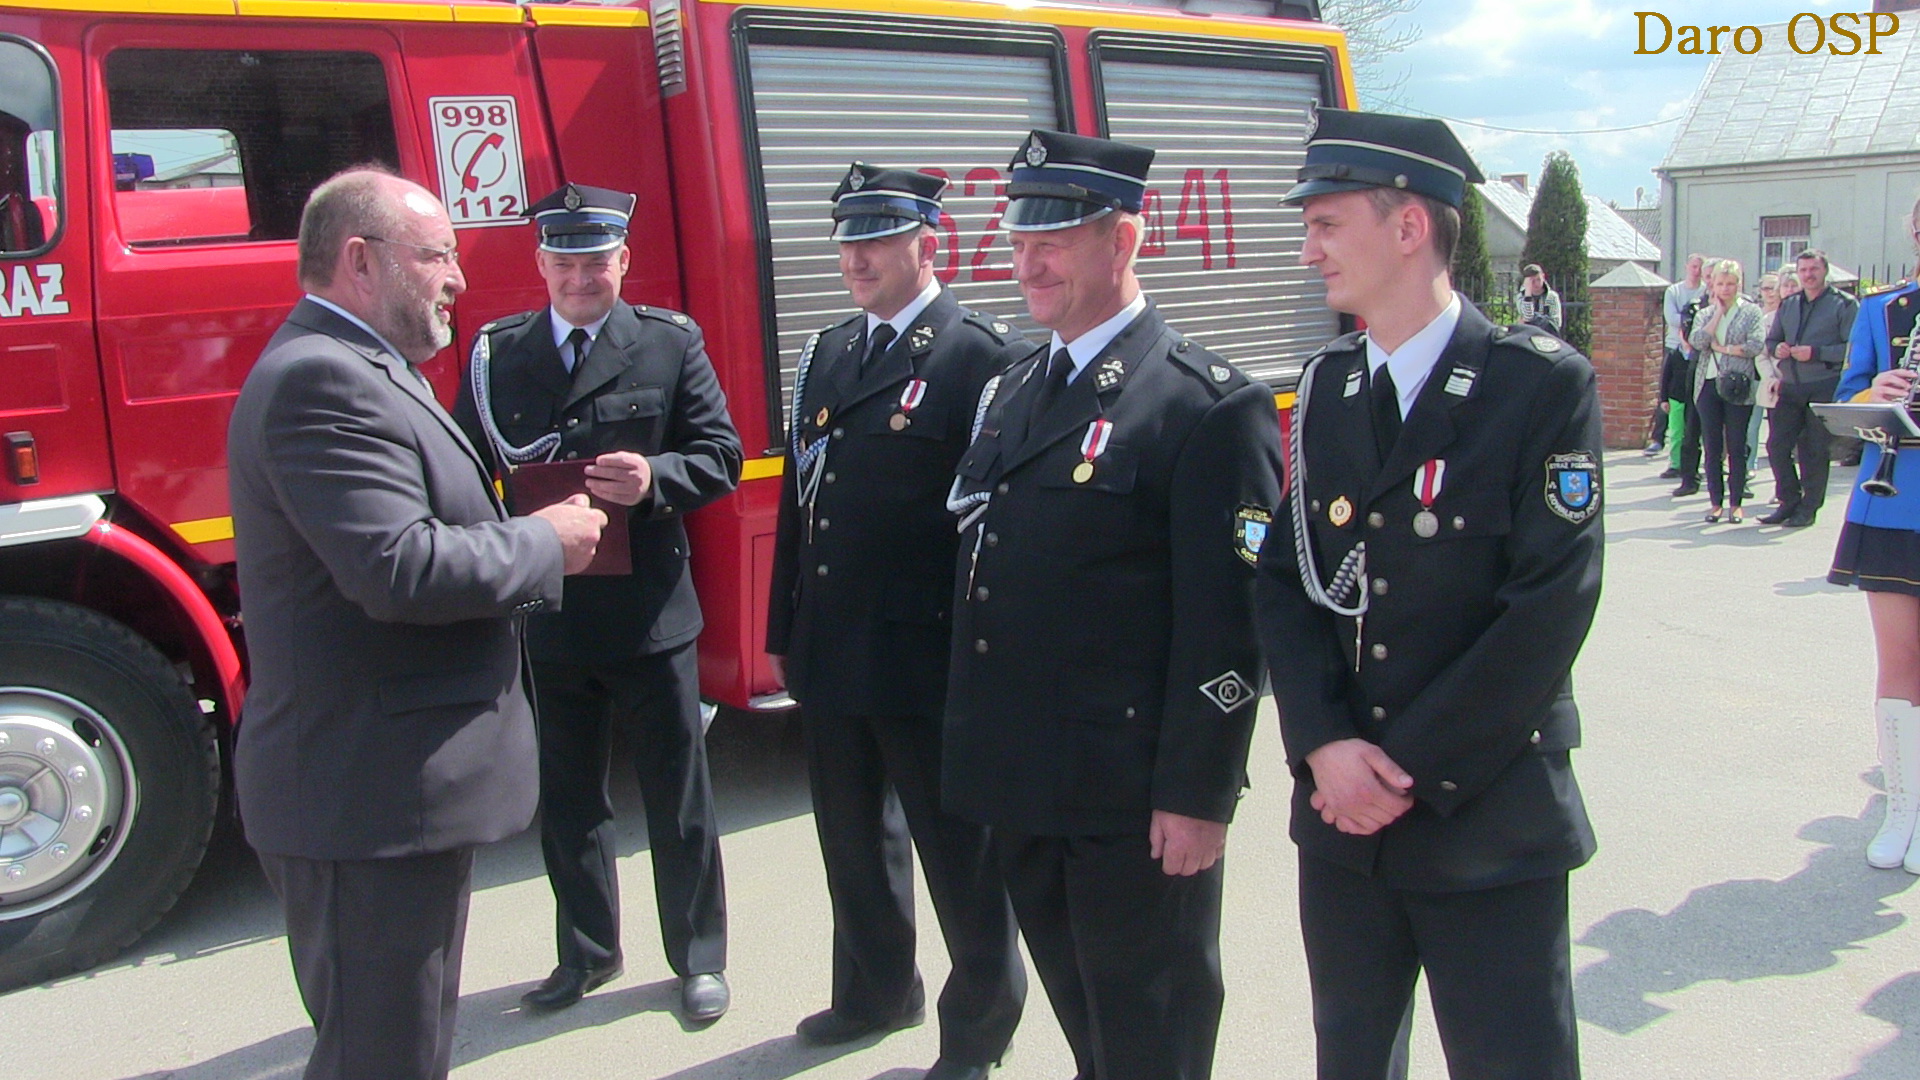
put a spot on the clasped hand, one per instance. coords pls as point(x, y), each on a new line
point(1357, 788)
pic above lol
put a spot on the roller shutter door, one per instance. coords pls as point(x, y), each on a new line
point(817, 107)
point(1229, 125)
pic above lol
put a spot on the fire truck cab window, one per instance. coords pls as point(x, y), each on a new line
point(29, 147)
point(214, 146)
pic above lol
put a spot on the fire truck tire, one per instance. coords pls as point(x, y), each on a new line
point(109, 779)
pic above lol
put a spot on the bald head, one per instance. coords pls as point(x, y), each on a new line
point(366, 200)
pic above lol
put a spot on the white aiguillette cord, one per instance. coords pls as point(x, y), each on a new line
point(1348, 581)
point(479, 377)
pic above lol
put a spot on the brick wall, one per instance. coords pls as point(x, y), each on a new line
point(1628, 347)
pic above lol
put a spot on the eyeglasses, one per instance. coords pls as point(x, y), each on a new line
point(446, 256)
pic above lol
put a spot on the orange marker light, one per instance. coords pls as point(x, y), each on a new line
point(23, 460)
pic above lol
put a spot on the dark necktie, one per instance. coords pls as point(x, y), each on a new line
point(1059, 366)
point(578, 344)
point(1386, 411)
point(882, 337)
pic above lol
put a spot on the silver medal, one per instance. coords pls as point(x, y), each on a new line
point(1426, 525)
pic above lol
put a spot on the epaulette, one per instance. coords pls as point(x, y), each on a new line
point(1219, 376)
point(1001, 330)
point(1534, 341)
point(1894, 287)
point(1340, 344)
point(508, 322)
point(665, 315)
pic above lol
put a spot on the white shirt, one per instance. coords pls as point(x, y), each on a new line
point(562, 329)
point(1413, 361)
point(905, 316)
point(1084, 348)
point(361, 323)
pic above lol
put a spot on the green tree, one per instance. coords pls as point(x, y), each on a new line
point(1557, 240)
point(1472, 266)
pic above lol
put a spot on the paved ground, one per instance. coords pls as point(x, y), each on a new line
point(1728, 927)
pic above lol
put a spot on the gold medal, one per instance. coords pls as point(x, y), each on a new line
point(898, 421)
point(1083, 472)
point(820, 418)
point(1340, 512)
point(1426, 525)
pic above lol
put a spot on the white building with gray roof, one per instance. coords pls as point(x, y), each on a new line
point(1610, 240)
point(1780, 152)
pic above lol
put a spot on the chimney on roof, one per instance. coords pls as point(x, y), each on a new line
point(1519, 179)
point(1896, 5)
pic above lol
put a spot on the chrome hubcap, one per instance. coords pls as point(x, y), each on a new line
point(65, 792)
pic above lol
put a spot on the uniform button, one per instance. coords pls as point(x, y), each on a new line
point(980, 646)
point(1001, 490)
point(1379, 713)
point(635, 407)
point(1379, 652)
point(1314, 506)
point(573, 421)
point(821, 570)
point(1448, 785)
point(516, 416)
point(1130, 712)
point(572, 454)
point(993, 539)
point(666, 509)
point(1459, 523)
point(1534, 738)
point(828, 478)
point(1379, 586)
point(980, 594)
point(839, 433)
point(823, 523)
point(1376, 519)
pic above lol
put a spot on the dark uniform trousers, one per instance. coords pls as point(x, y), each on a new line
point(1104, 666)
point(621, 649)
point(860, 607)
point(1483, 575)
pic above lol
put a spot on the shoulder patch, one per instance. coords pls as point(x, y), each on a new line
point(1573, 485)
point(665, 315)
point(1001, 330)
point(1219, 376)
point(1532, 342)
point(508, 322)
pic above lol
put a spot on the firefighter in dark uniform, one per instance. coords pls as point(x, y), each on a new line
point(1104, 659)
point(859, 615)
point(1447, 483)
point(629, 386)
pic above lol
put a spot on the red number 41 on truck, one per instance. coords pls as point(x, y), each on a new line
point(154, 159)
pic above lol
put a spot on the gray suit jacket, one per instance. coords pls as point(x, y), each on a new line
point(382, 579)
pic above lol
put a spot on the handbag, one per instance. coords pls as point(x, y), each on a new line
point(1734, 387)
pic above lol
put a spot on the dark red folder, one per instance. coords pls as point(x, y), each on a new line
point(530, 487)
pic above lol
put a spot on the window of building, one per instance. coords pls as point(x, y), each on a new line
point(29, 149)
point(1781, 238)
point(225, 145)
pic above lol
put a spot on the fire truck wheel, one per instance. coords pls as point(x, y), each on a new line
point(109, 776)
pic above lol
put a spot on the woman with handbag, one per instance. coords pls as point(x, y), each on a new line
point(1727, 336)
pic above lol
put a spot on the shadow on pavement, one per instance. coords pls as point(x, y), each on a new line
point(759, 772)
point(1898, 1003)
point(1751, 929)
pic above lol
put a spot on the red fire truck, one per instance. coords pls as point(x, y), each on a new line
point(154, 158)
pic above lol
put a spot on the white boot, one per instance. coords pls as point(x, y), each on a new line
point(1898, 723)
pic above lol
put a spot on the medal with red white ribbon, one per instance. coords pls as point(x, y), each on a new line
point(1092, 446)
point(1426, 488)
point(909, 400)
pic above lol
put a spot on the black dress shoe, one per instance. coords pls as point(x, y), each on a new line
point(1687, 487)
point(1800, 519)
point(567, 985)
point(1778, 517)
point(827, 1027)
point(704, 998)
point(1670, 474)
point(948, 1070)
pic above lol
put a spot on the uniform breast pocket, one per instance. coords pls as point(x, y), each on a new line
point(638, 403)
point(978, 463)
point(1470, 514)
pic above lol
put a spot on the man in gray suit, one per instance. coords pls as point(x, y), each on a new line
point(387, 726)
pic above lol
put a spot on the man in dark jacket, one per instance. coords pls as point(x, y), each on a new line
point(859, 624)
point(1104, 667)
point(1448, 488)
point(1809, 342)
point(629, 387)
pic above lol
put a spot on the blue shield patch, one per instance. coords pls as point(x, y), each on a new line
point(1250, 525)
point(1573, 485)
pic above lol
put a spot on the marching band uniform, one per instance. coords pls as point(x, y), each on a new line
point(1456, 507)
point(1879, 551)
point(1104, 663)
point(860, 608)
point(622, 646)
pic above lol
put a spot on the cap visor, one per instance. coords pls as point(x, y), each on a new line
point(871, 227)
point(1038, 213)
point(1310, 188)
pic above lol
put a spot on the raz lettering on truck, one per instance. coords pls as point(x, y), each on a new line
point(46, 296)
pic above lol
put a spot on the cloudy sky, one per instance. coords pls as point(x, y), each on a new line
point(1568, 66)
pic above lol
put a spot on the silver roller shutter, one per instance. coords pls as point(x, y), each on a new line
point(816, 108)
point(1235, 135)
